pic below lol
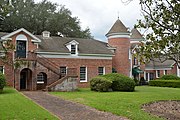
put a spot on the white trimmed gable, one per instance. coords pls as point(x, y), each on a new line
point(34, 38)
point(72, 43)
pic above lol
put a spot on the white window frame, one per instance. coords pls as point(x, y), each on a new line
point(165, 72)
point(85, 75)
point(158, 74)
point(42, 81)
point(103, 71)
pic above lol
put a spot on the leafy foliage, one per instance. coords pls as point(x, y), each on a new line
point(38, 17)
point(165, 83)
point(169, 77)
point(100, 84)
point(162, 18)
point(2, 80)
point(120, 82)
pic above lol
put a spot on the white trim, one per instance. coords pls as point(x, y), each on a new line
point(75, 57)
point(135, 42)
point(178, 72)
point(157, 73)
point(35, 39)
point(119, 36)
point(164, 72)
point(85, 76)
point(40, 82)
point(103, 70)
point(158, 68)
point(53, 53)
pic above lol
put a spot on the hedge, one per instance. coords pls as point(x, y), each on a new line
point(100, 84)
point(120, 82)
point(169, 77)
point(113, 81)
point(165, 83)
point(2, 80)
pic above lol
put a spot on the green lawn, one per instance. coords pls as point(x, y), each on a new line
point(126, 104)
point(14, 106)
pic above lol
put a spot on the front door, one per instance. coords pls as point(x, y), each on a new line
point(21, 49)
point(23, 80)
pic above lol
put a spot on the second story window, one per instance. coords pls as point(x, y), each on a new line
point(73, 49)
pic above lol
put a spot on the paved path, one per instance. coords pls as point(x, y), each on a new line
point(67, 110)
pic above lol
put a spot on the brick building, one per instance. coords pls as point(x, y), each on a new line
point(50, 60)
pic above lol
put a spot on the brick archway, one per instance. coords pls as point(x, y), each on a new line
point(26, 79)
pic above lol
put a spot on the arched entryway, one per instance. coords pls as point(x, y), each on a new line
point(41, 80)
point(26, 79)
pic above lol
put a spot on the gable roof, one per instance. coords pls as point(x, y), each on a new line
point(6, 36)
point(85, 46)
point(136, 34)
point(156, 64)
point(118, 27)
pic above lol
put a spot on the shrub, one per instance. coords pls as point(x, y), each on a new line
point(165, 83)
point(136, 81)
point(2, 81)
point(120, 82)
point(100, 84)
point(169, 77)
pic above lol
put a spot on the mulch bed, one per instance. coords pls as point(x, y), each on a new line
point(169, 110)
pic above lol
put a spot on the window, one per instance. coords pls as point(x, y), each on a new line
point(73, 49)
point(151, 76)
point(63, 71)
point(83, 74)
point(2, 69)
point(157, 73)
point(165, 72)
point(101, 71)
point(41, 78)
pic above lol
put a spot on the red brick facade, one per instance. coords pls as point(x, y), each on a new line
point(121, 61)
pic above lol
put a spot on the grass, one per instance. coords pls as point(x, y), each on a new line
point(14, 106)
point(126, 104)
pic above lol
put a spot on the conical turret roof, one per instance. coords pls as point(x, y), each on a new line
point(136, 34)
point(118, 27)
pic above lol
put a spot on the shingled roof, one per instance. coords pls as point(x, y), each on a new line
point(85, 46)
point(136, 34)
point(118, 27)
point(156, 64)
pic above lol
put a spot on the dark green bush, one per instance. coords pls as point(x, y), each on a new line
point(100, 84)
point(2, 81)
point(136, 81)
point(169, 77)
point(165, 83)
point(120, 82)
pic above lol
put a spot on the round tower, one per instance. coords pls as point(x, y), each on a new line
point(119, 37)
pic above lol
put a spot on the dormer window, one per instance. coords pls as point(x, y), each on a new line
point(73, 49)
point(46, 34)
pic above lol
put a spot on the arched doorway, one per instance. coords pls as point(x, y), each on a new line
point(26, 79)
point(41, 80)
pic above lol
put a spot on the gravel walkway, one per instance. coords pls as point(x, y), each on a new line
point(67, 110)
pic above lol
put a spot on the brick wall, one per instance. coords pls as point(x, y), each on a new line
point(121, 60)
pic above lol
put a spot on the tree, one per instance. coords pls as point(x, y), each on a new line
point(45, 15)
point(4, 8)
point(162, 17)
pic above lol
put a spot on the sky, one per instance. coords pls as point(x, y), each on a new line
point(100, 15)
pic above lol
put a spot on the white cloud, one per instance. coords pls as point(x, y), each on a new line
point(100, 15)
